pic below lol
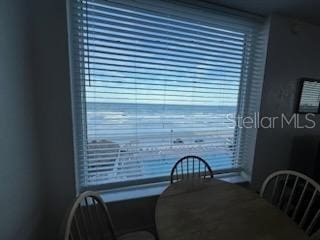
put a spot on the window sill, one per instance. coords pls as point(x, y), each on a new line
point(155, 189)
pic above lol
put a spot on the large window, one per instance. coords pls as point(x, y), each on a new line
point(154, 81)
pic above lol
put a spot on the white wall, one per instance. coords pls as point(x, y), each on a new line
point(20, 176)
point(293, 52)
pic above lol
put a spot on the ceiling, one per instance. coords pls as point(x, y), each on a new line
point(308, 10)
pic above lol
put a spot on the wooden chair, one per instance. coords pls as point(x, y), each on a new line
point(89, 219)
point(190, 167)
point(298, 196)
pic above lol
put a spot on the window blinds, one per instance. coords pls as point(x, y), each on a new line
point(153, 81)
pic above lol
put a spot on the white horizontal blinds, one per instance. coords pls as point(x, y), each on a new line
point(250, 95)
point(310, 97)
point(157, 83)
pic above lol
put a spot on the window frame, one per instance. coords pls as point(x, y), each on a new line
point(79, 125)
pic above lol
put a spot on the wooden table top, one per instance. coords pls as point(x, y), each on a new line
point(217, 210)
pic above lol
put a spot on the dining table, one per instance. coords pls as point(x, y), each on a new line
point(212, 209)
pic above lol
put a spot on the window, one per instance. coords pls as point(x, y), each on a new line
point(153, 81)
point(309, 98)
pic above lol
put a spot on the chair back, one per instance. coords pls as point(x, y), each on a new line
point(297, 195)
point(190, 167)
point(89, 219)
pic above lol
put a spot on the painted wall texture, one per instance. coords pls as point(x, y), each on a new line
point(293, 53)
point(21, 200)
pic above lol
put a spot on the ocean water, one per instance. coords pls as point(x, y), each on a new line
point(144, 119)
point(159, 108)
point(138, 141)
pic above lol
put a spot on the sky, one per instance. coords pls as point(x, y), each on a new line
point(131, 57)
